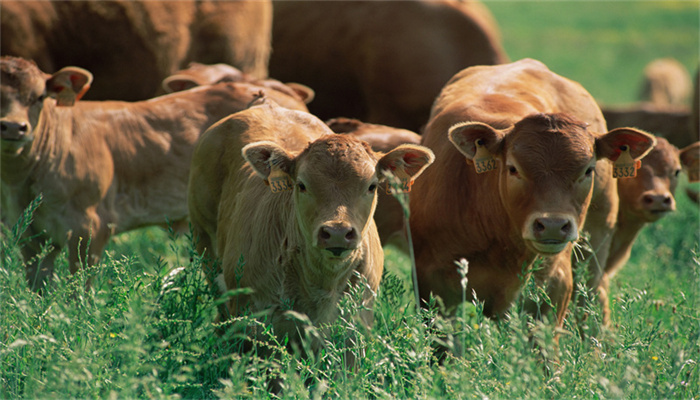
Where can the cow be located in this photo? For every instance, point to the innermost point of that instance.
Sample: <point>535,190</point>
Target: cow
<point>131,46</point>
<point>645,199</point>
<point>666,83</point>
<point>102,167</point>
<point>274,190</point>
<point>517,151</point>
<point>198,74</point>
<point>390,215</point>
<point>382,62</point>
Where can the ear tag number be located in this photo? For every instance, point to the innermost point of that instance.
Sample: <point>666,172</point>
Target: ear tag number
<point>483,159</point>
<point>625,166</point>
<point>66,97</point>
<point>279,180</point>
<point>404,182</point>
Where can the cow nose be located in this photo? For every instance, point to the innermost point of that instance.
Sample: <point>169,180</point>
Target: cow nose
<point>658,202</point>
<point>337,238</point>
<point>552,228</point>
<point>11,130</point>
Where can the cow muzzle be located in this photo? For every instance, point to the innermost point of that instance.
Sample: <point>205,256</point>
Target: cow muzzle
<point>337,239</point>
<point>550,233</point>
<point>14,135</point>
<point>656,205</point>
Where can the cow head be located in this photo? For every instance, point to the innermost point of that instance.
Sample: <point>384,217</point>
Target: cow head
<point>334,183</point>
<point>23,92</point>
<point>545,164</point>
<point>650,195</point>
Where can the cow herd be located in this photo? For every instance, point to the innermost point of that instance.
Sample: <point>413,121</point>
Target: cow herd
<point>506,164</point>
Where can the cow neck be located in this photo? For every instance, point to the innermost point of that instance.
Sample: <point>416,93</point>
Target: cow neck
<point>627,229</point>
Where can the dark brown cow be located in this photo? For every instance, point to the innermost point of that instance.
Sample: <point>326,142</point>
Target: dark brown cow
<point>278,190</point>
<point>380,61</point>
<point>131,46</point>
<point>103,167</point>
<point>389,216</point>
<point>532,141</point>
<point>645,199</point>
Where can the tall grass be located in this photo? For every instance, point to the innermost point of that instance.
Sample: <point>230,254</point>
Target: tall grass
<point>147,328</point>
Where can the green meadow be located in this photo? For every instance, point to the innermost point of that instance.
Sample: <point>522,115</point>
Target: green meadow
<point>148,327</point>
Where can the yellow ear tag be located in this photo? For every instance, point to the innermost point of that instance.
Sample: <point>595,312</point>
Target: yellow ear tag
<point>483,159</point>
<point>405,182</point>
<point>66,97</point>
<point>625,166</point>
<point>279,180</point>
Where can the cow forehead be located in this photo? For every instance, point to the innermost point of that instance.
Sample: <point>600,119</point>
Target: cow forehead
<point>20,79</point>
<point>337,157</point>
<point>551,145</point>
<point>663,158</point>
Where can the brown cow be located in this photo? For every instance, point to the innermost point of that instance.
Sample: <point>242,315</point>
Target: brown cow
<point>645,199</point>
<point>103,167</point>
<point>380,61</point>
<point>666,83</point>
<point>541,134</point>
<point>389,216</point>
<point>131,46</point>
<point>278,190</point>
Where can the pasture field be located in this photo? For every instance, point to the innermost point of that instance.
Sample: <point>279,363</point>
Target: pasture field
<point>147,328</point>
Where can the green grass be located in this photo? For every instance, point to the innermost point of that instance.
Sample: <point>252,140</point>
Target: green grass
<point>148,327</point>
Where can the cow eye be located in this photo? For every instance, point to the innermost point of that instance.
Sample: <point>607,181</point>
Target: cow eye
<point>512,170</point>
<point>677,172</point>
<point>302,187</point>
<point>590,171</point>
<point>372,188</point>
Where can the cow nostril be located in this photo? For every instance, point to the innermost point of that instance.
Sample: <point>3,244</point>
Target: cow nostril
<point>667,200</point>
<point>566,228</point>
<point>324,234</point>
<point>352,235</point>
<point>23,127</point>
<point>648,200</point>
<point>538,226</point>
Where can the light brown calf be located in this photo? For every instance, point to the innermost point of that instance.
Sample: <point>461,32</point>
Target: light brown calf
<point>278,190</point>
<point>517,151</point>
<point>197,74</point>
<point>103,167</point>
<point>131,46</point>
<point>382,62</point>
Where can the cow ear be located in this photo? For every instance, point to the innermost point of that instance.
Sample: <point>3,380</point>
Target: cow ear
<point>464,137</point>
<point>690,159</point>
<point>305,93</point>
<point>406,161</point>
<point>265,156</point>
<point>612,144</point>
<point>68,85</point>
<point>178,83</point>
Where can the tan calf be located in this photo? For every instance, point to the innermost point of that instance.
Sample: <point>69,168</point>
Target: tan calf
<point>279,191</point>
<point>103,167</point>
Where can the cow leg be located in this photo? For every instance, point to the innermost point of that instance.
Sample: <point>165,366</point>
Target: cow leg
<point>39,272</point>
<point>87,244</point>
<point>603,299</point>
